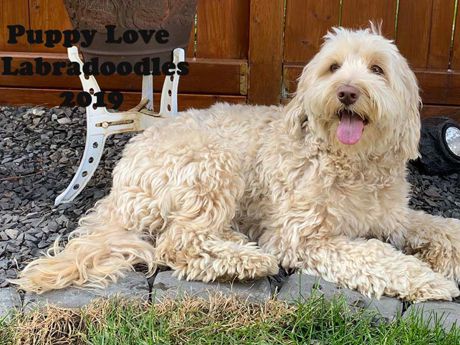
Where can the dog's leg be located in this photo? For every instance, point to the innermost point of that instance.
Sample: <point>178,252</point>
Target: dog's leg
<point>375,268</point>
<point>209,257</point>
<point>199,244</point>
<point>435,240</point>
<point>202,198</point>
<point>372,267</point>
<point>99,251</point>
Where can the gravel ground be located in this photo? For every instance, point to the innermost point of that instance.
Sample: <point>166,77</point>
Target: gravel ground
<point>41,148</point>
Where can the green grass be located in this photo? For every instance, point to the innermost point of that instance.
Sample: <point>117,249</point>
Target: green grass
<point>218,321</point>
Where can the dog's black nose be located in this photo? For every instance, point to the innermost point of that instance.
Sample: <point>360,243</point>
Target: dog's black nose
<point>348,94</point>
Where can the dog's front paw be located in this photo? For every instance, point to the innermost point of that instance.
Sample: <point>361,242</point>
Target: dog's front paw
<point>435,287</point>
<point>443,258</point>
<point>438,244</point>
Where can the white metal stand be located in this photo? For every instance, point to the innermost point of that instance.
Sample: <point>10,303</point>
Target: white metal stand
<point>101,123</point>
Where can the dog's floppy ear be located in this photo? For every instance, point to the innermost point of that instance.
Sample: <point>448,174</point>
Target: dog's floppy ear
<point>295,111</point>
<point>409,132</point>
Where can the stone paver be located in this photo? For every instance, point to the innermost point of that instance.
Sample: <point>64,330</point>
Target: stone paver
<point>302,286</point>
<point>167,286</point>
<point>133,286</point>
<point>9,300</point>
<point>448,313</point>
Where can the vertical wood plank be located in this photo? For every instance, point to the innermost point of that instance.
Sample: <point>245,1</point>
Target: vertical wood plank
<point>45,15</point>
<point>414,26</point>
<point>357,13</point>
<point>2,27</point>
<point>441,33</point>
<point>455,60</point>
<point>222,29</point>
<point>307,21</point>
<point>265,51</point>
<point>191,42</point>
<point>14,12</point>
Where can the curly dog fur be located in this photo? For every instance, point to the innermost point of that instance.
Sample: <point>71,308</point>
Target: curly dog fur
<point>233,191</point>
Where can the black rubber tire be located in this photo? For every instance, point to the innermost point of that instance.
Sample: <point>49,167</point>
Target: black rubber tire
<point>436,158</point>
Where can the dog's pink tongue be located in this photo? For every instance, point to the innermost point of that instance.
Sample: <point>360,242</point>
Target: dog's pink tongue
<point>350,128</point>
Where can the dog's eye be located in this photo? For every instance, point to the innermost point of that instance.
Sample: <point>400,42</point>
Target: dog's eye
<point>377,69</point>
<point>334,67</point>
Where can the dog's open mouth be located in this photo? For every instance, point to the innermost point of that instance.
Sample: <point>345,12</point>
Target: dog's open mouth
<point>350,127</point>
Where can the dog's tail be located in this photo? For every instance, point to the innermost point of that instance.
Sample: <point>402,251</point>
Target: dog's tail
<point>99,250</point>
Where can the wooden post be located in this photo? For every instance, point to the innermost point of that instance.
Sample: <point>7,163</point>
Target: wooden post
<point>265,51</point>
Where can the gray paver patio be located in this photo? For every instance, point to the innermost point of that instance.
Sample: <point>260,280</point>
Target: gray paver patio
<point>300,286</point>
<point>133,286</point>
<point>167,286</point>
<point>9,301</point>
<point>447,313</point>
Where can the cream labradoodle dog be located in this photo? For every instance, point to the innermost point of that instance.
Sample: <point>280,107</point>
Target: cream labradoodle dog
<point>233,191</point>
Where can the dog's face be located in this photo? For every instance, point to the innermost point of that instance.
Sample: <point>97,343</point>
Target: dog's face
<point>358,95</point>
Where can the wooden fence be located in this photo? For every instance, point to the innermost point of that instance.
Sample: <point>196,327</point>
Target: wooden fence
<point>253,50</point>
